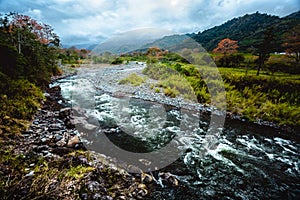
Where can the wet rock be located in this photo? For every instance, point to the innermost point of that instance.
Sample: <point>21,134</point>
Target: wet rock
<point>78,120</point>
<point>80,146</point>
<point>69,124</point>
<point>41,148</point>
<point>55,127</point>
<point>47,95</point>
<point>64,113</point>
<point>84,196</point>
<point>44,140</point>
<point>121,198</point>
<point>58,137</point>
<point>169,179</point>
<point>77,111</point>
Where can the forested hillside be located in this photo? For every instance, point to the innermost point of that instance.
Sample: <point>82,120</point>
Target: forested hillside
<point>248,30</point>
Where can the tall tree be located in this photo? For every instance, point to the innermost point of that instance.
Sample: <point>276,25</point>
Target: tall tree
<point>29,48</point>
<point>292,43</point>
<point>264,49</point>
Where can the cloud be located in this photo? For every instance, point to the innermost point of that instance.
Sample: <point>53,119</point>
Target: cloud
<point>93,19</point>
<point>34,13</point>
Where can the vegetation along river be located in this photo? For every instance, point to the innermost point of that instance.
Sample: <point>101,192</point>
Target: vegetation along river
<point>248,161</point>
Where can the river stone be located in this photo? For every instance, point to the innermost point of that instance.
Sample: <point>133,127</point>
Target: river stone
<point>44,140</point>
<point>64,113</point>
<point>47,95</point>
<point>61,143</point>
<point>73,141</point>
<point>93,186</point>
<point>55,127</point>
<point>169,178</point>
<point>58,137</point>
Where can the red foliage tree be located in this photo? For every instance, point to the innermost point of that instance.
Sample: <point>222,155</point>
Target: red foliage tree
<point>43,32</point>
<point>226,46</point>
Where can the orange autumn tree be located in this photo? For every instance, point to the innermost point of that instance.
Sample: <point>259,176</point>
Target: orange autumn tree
<point>226,46</point>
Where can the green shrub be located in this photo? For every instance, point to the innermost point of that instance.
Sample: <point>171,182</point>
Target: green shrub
<point>170,92</point>
<point>157,90</point>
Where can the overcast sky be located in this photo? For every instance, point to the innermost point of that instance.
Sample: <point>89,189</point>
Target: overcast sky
<point>90,21</point>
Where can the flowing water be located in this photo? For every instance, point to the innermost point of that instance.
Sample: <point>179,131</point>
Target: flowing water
<point>248,161</point>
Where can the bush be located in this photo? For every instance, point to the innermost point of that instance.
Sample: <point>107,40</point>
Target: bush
<point>170,92</point>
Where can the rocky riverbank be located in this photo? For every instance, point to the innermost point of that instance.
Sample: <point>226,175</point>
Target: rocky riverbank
<point>49,161</point>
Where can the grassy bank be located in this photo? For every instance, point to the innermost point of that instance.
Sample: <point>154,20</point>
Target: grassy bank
<point>19,100</point>
<point>273,98</point>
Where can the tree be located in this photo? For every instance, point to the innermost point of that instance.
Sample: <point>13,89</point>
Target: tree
<point>154,53</point>
<point>292,43</point>
<point>226,46</point>
<point>264,49</point>
<point>233,60</point>
<point>43,32</point>
<point>29,49</point>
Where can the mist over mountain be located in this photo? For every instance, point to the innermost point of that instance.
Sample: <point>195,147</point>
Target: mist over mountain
<point>248,30</point>
<point>130,41</point>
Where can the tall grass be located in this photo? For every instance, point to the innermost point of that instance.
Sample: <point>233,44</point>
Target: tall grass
<point>132,79</point>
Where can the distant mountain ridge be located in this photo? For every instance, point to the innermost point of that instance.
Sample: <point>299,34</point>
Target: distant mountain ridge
<point>248,30</point>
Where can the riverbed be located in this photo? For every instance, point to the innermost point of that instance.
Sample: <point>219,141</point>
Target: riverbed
<point>241,160</point>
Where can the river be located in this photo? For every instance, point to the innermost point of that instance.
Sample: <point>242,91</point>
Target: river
<point>247,161</point>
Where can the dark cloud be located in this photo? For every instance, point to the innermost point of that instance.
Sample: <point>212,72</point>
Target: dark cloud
<point>92,20</point>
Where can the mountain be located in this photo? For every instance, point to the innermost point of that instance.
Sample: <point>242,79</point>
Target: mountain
<point>87,46</point>
<point>130,41</point>
<point>248,30</point>
<point>167,42</point>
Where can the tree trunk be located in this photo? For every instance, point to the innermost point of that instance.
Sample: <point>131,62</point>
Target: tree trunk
<point>258,70</point>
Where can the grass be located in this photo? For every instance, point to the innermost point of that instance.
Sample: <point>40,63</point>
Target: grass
<point>19,100</point>
<point>252,72</point>
<point>132,79</point>
<point>79,171</point>
<point>172,82</point>
<point>273,97</point>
